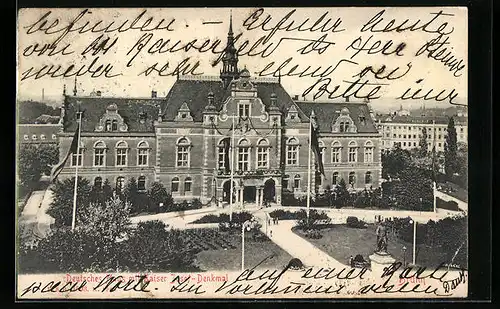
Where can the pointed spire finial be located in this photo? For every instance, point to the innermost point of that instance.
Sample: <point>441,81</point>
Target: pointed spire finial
<point>312,113</point>
<point>231,22</point>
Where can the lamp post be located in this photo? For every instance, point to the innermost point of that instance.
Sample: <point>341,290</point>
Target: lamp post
<point>414,240</point>
<point>404,256</point>
<point>244,225</point>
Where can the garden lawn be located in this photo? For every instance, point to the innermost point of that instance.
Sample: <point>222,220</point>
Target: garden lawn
<point>341,242</point>
<point>255,251</point>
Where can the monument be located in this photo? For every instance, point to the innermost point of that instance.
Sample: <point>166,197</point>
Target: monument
<point>381,258</point>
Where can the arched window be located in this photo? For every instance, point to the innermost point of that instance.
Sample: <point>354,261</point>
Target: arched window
<point>223,154</point>
<point>183,152</point>
<point>121,153</point>
<point>352,178</point>
<point>353,151</point>
<point>284,182</point>
<point>243,155</point>
<point>368,152</point>
<point>120,184</point>
<point>141,183</point>
<point>99,154</point>
<point>296,182</point>
<point>368,178</point>
<point>187,184</point>
<point>335,178</point>
<point>263,154</point>
<point>142,154</point>
<point>336,152</point>
<point>292,151</point>
<point>98,183</point>
<point>175,184</point>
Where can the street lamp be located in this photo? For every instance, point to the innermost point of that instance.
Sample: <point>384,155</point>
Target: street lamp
<point>245,225</point>
<point>414,239</point>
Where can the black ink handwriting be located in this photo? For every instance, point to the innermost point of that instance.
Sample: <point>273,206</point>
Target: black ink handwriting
<point>372,24</point>
<point>375,47</point>
<point>182,286</point>
<point>353,90</point>
<point>379,73</point>
<point>55,287</point>
<point>119,283</point>
<point>294,70</point>
<point>434,49</point>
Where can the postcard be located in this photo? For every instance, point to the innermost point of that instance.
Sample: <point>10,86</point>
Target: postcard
<point>250,153</point>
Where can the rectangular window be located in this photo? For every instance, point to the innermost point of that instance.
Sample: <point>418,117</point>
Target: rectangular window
<point>121,157</point>
<point>292,155</point>
<point>221,159</point>
<point>336,154</point>
<point>262,157</point>
<point>244,110</point>
<point>352,154</point>
<point>77,158</point>
<point>182,156</point>
<point>394,135</point>
<point>369,154</point>
<point>243,154</point>
<point>296,183</point>
<point>142,157</point>
<point>99,157</point>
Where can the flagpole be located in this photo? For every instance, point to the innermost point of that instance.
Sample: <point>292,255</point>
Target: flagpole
<point>434,165</point>
<point>73,221</point>
<point>309,168</point>
<point>232,168</point>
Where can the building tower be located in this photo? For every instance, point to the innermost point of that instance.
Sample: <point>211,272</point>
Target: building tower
<point>230,59</point>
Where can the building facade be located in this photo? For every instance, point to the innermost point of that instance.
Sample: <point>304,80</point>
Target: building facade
<point>208,128</point>
<point>406,131</point>
<point>38,134</point>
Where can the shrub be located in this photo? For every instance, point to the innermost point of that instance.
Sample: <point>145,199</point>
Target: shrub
<point>449,205</point>
<point>313,234</point>
<point>354,222</point>
<point>316,220</point>
<point>284,214</point>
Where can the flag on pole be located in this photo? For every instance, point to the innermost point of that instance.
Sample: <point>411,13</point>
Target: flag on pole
<point>315,143</point>
<point>433,152</point>
<point>56,170</point>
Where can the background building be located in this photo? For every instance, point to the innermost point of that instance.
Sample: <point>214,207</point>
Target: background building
<point>184,140</point>
<point>407,130</point>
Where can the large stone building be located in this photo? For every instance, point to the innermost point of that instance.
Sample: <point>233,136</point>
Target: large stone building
<point>183,140</point>
<point>406,131</point>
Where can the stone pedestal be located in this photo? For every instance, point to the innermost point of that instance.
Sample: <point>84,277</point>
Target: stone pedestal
<point>380,260</point>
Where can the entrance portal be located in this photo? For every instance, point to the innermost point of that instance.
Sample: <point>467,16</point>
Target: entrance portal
<point>269,191</point>
<point>249,194</point>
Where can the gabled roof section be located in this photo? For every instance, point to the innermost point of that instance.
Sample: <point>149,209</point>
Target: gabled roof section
<point>327,113</point>
<point>95,107</point>
<point>194,92</point>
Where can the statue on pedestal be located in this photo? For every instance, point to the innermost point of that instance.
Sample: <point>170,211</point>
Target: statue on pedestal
<point>381,239</point>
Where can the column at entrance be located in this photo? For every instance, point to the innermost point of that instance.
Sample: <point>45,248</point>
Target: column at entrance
<point>260,197</point>
<point>241,196</point>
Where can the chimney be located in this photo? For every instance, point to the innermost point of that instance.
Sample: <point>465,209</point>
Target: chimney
<point>347,99</point>
<point>296,97</point>
<point>98,93</point>
<point>153,94</point>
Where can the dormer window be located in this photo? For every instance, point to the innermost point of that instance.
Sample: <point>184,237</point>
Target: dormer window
<point>184,113</point>
<point>243,110</point>
<point>344,126</point>
<point>114,125</point>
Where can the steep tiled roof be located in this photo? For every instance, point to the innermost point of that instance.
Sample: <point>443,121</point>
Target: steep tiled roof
<point>128,108</point>
<point>194,93</point>
<point>327,112</point>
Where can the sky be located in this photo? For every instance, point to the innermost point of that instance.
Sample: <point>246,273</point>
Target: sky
<point>212,24</point>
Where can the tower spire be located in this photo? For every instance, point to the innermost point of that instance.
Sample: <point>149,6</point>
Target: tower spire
<point>230,58</point>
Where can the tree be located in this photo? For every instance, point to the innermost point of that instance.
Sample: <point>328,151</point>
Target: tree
<point>450,149</point>
<point>61,208</point>
<point>342,194</point>
<point>48,156</point>
<point>422,144</point>
<point>394,161</point>
<point>413,190</point>
<point>29,166</point>
<point>94,245</point>
<point>315,220</point>
<point>131,195</point>
<point>158,194</point>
